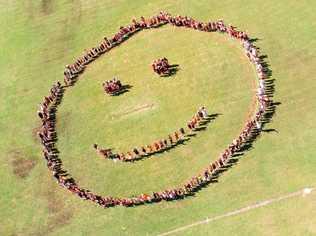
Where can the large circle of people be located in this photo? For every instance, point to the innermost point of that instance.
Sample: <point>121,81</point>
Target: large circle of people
<point>48,109</point>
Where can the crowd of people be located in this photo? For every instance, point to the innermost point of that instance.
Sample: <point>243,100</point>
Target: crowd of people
<point>158,146</point>
<point>47,112</point>
<point>197,118</point>
<point>161,66</point>
<point>112,87</point>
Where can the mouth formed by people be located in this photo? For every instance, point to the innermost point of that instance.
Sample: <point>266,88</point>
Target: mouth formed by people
<point>158,146</point>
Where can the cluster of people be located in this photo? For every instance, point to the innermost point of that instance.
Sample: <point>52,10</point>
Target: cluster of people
<point>48,108</point>
<point>155,147</point>
<point>112,87</point>
<point>196,119</point>
<point>72,71</point>
<point>161,66</point>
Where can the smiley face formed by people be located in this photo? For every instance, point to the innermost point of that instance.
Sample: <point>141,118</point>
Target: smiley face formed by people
<point>115,87</point>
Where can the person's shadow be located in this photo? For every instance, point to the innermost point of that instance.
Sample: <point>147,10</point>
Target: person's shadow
<point>172,70</point>
<point>124,89</point>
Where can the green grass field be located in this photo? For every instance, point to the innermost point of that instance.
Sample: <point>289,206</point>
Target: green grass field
<point>38,38</point>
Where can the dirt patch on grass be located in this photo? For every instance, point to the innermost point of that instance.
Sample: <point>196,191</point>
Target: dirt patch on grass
<point>21,165</point>
<point>34,134</point>
<point>47,7</point>
<point>64,121</point>
<point>134,110</point>
<point>59,214</point>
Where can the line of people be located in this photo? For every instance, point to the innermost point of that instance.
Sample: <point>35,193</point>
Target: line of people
<point>48,108</point>
<point>197,118</point>
<point>157,146</point>
<point>72,71</point>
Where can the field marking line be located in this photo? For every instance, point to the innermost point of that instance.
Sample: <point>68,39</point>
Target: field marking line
<point>303,193</point>
<point>133,110</point>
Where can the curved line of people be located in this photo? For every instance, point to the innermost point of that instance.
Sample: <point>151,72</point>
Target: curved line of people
<point>48,109</point>
<point>158,146</point>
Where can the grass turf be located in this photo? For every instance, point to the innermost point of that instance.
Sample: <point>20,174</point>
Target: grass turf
<point>41,37</point>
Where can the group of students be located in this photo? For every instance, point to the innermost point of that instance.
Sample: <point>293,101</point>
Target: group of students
<point>157,146</point>
<point>161,66</point>
<point>112,86</point>
<point>197,118</point>
<point>72,71</point>
<point>47,133</point>
<point>48,109</point>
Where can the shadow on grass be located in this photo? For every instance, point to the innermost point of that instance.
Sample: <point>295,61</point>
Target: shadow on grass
<point>124,89</point>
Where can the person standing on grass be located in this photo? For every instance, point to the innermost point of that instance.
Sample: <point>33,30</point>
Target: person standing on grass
<point>204,112</point>
<point>182,131</point>
<point>170,139</point>
<point>176,135</point>
<point>144,151</point>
